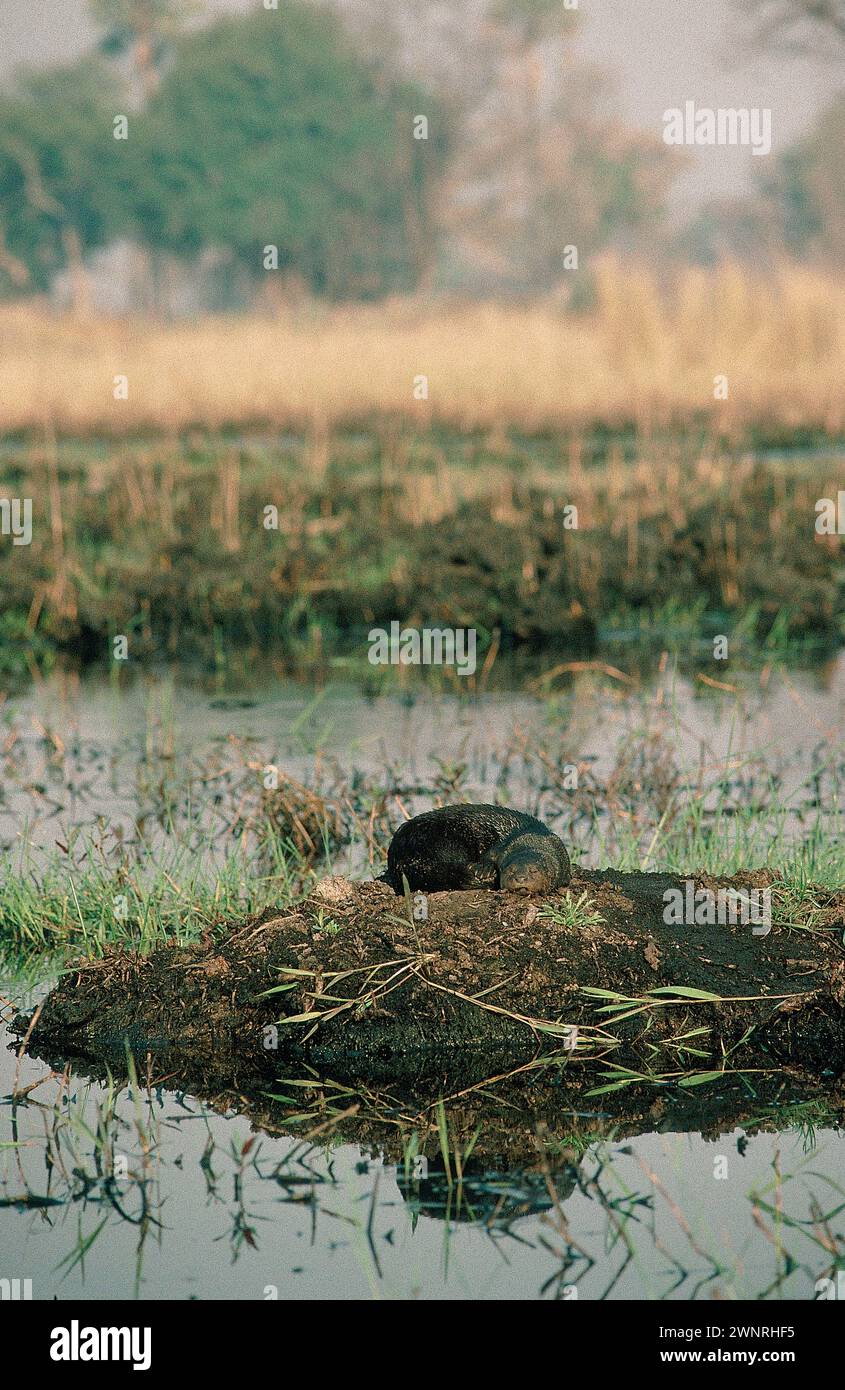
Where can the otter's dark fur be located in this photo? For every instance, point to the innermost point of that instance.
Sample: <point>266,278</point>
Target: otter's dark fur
<point>476,847</point>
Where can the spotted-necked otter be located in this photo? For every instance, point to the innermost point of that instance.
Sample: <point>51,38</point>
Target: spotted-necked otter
<point>476,847</point>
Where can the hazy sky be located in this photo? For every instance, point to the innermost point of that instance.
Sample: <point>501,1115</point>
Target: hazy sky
<point>661,52</point>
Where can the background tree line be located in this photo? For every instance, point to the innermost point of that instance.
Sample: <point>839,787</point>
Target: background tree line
<point>295,128</point>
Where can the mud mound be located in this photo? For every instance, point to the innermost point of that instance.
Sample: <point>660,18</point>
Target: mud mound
<point>352,981</point>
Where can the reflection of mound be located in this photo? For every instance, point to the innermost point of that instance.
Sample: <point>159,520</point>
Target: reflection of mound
<point>517,1122</point>
<point>485,1198</point>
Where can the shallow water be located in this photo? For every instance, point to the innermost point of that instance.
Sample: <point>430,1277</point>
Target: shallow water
<point>82,752</point>
<point>659,1215</point>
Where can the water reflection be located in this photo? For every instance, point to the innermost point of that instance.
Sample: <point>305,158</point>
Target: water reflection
<point>117,1190</point>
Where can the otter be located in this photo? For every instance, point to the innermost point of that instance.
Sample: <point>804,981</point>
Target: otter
<point>459,847</point>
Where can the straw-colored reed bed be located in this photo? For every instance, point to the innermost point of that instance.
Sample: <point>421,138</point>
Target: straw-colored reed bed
<point>641,354</point>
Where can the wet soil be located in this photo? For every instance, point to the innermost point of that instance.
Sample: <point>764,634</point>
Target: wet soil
<point>487,981</point>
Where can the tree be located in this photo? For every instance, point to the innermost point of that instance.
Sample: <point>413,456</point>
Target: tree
<point>548,168</point>
<point>807,190</point>
<point>141,30</point>
<point>57,161</point>
<point>267,131</point>
<point>535,163</point>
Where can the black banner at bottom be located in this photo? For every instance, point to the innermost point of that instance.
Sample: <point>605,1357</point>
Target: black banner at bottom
<point>62,1338</point>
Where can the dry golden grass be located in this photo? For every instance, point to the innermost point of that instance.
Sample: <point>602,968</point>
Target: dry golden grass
<point>642,354</point>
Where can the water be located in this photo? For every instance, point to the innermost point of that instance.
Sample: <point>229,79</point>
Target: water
<point>635,1211</point>
<point>659,1215</point>
<point>80,751</point>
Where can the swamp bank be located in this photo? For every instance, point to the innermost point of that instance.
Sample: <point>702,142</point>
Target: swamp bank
<point>289,548</point>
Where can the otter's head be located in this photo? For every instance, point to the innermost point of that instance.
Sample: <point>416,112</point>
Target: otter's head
<point>523,873</point>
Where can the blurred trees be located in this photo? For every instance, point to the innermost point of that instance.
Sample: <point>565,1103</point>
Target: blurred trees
<point>797,209</point>
<point>800,207</point>
<point>264,131</point>
<point>270,132</point>
<point>58,165</point>
<point>806,193</point>
<point>140,30</point>
<point>546,167</point>
<point>535,163</point>
<point>286,138</point>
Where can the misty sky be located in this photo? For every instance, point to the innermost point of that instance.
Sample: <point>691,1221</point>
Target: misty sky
<point>661,53</point>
